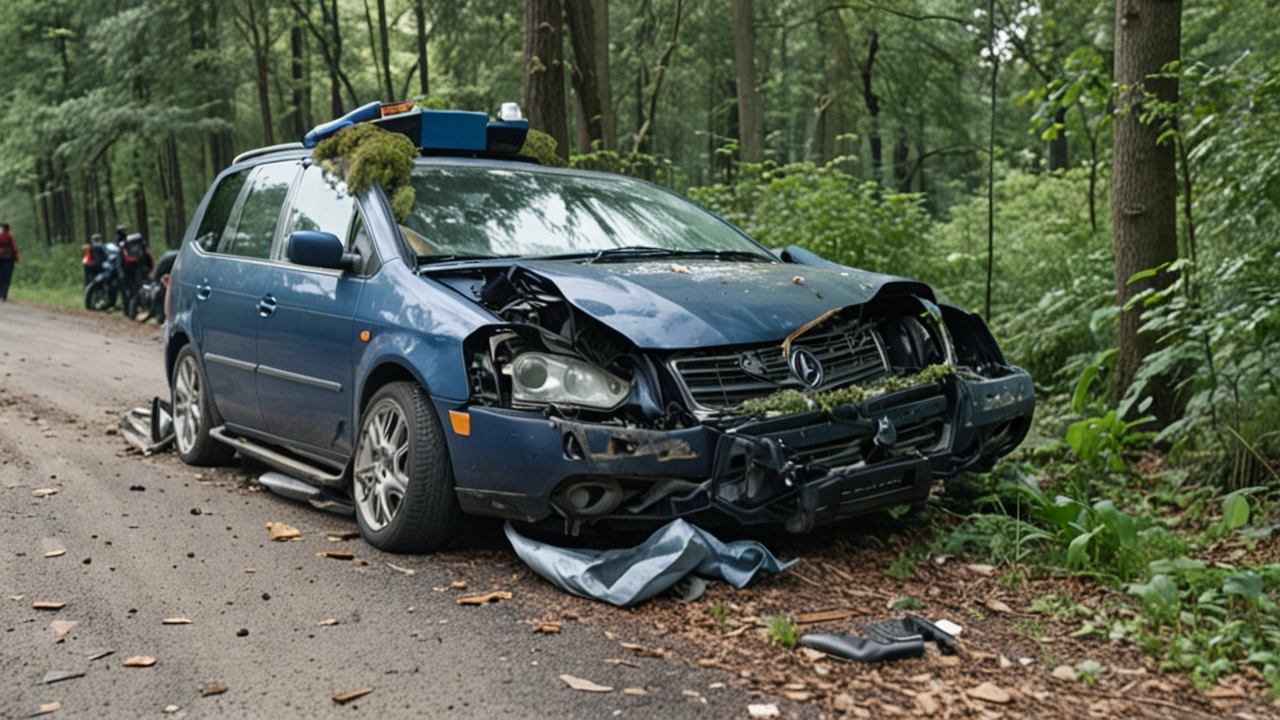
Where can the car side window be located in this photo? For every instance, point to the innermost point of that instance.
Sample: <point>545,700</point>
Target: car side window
<point>219,210</point>
<point>322,202</point>
<point>256,228</point>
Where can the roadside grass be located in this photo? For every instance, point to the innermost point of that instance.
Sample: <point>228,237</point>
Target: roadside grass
<point>1193,571</point>
<point>48,275</point>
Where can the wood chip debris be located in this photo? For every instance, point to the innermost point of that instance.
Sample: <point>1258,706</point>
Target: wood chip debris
<point>47,605</point>
<point>990,692</point>
<point>213,690</point>
<point>349,696</point>
<point>176,621</point>
<point>981,569</point>
<point>101,654</point>
<point>47,708</point>
<point>342,536</point>
<point>458,584</point>
<point>763,711</point>
<point>140,661</point>
<point>44,492</point>
<point>578,683</point>
<point>171,709</point>
<point>824,616</point>
<point>634,691</point>
<point>678,268</point>
<point>999,606</point>
<point>279,531</point>
<point>644,651</point>
<point>485,598</point>
<point>54,676</point>
<point>336,555</point>
<point>547,626</point>
<point>617,661</point>
<point>326,623</point>
<point>407,571</point>
<point>55,553</point>
<point>62,627</point>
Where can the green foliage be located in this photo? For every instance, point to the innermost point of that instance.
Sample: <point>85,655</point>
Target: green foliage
<point>1089,671</point>
<point>364,154</point>
<point>790,402</point>
<point>905,603</point>
<point>542,147</point>
<point>783,631</point>
<point>642,165</point>
<point>1098,442</point>
<point>721,613</point>
<point>824,210</point>
<point>46,274</point>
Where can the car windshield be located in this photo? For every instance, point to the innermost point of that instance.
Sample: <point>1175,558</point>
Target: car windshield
<point>485,211</point>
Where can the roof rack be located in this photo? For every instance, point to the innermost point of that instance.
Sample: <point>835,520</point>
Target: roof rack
<point>266,151</point>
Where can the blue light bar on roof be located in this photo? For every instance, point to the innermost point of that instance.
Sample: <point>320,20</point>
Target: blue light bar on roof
<point>434,131</point>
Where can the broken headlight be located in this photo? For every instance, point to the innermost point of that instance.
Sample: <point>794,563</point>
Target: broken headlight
<point>545,379</point>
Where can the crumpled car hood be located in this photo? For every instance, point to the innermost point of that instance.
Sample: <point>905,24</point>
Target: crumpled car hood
<point>658,306</point>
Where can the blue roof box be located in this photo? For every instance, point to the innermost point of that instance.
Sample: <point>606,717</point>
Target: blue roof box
<point>436,132</point>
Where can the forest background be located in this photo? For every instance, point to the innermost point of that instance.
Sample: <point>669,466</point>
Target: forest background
<point>970,143</point>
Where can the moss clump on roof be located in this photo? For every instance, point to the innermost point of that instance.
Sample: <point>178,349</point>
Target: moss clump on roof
<point>790,402</point>
<point>542,147</point>
<point>363,154</point>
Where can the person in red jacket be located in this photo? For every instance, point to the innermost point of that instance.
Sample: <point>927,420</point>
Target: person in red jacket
<point>8,258</point>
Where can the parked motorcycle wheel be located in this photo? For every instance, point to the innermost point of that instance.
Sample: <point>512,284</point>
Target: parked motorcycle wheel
<point>98,297</point>
<point>138,307</point>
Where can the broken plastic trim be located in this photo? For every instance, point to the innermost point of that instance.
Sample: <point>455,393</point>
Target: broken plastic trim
<point>149,430</point>
<point>885,641</point>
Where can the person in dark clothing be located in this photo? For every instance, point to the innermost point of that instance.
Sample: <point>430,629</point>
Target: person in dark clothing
<point>8,258</point>
<point>94,255</point>
<point>137,261</point>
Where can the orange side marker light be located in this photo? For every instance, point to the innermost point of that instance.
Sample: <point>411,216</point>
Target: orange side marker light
<point>461,422</point>
<point>364,335</point>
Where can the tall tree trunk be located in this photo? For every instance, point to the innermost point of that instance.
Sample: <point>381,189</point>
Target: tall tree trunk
<point>1143,180</point>
<point>420,16</point>
<point>872,101</point>
<point>298,121</point>
<point>260,60</point>
<point>750,107</point>
<point>901,154</point>
<point>580,15</point>
<point>604,86</point>
<point>175,212</point>
<point>651,106</point>
<point>838,72</point>
<point>544,99</point>
<point>386,51</point>
<point>1058,147</point>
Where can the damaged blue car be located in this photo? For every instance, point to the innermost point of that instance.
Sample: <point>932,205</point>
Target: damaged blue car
<point>557,346</point>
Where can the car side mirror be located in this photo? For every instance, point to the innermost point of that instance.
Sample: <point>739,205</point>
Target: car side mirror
<point>320,249</point>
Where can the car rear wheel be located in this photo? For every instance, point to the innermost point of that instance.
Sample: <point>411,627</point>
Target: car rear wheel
<point>193,414</point>
<point>403,481</point>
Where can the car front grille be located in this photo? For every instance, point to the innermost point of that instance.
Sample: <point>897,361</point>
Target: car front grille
<point>719,380</point>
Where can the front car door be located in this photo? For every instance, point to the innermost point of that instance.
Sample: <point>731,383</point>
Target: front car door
<point>305,377</point>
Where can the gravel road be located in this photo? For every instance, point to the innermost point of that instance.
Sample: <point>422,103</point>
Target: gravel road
<point>127,541</point>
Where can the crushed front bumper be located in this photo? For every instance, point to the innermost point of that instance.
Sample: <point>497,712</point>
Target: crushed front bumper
<point>795,470</point>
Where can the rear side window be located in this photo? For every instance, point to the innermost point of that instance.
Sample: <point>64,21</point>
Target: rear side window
<point>256,228</point>
<point>219,210</point>
<point>321,203</point>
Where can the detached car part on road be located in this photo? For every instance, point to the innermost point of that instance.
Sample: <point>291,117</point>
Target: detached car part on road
<point>550,345</point>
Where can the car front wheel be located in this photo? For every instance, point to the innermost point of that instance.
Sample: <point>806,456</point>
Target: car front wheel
<point>193,414</point>
<point>402,479</point>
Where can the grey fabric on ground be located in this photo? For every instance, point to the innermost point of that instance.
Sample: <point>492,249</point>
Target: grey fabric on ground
<point>628,576</point>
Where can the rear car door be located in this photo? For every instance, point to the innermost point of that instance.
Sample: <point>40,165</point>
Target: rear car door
<point>232,279</point>
<point>305,339</point>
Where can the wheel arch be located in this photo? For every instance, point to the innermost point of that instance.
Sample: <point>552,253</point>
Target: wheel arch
<point>177,341</point>
<point>385,372</point>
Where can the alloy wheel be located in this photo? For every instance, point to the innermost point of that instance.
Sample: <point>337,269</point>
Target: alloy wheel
<point>186,404</point>
<point>382,464</point>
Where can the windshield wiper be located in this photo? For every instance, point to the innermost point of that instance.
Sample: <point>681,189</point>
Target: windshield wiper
<point>456,257</point>
<point>642,251</point>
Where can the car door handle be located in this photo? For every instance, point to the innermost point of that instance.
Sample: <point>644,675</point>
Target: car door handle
<point>266,306</point>
<point>203,292</point>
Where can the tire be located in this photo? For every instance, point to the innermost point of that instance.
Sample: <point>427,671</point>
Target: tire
<point>98,298</point>
<point>402,479</point>
<point>193,413</point>
<point>138,307</point>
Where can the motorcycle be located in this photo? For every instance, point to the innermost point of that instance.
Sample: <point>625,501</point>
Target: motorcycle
<point>102,292</point>
<point>147,301</point>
